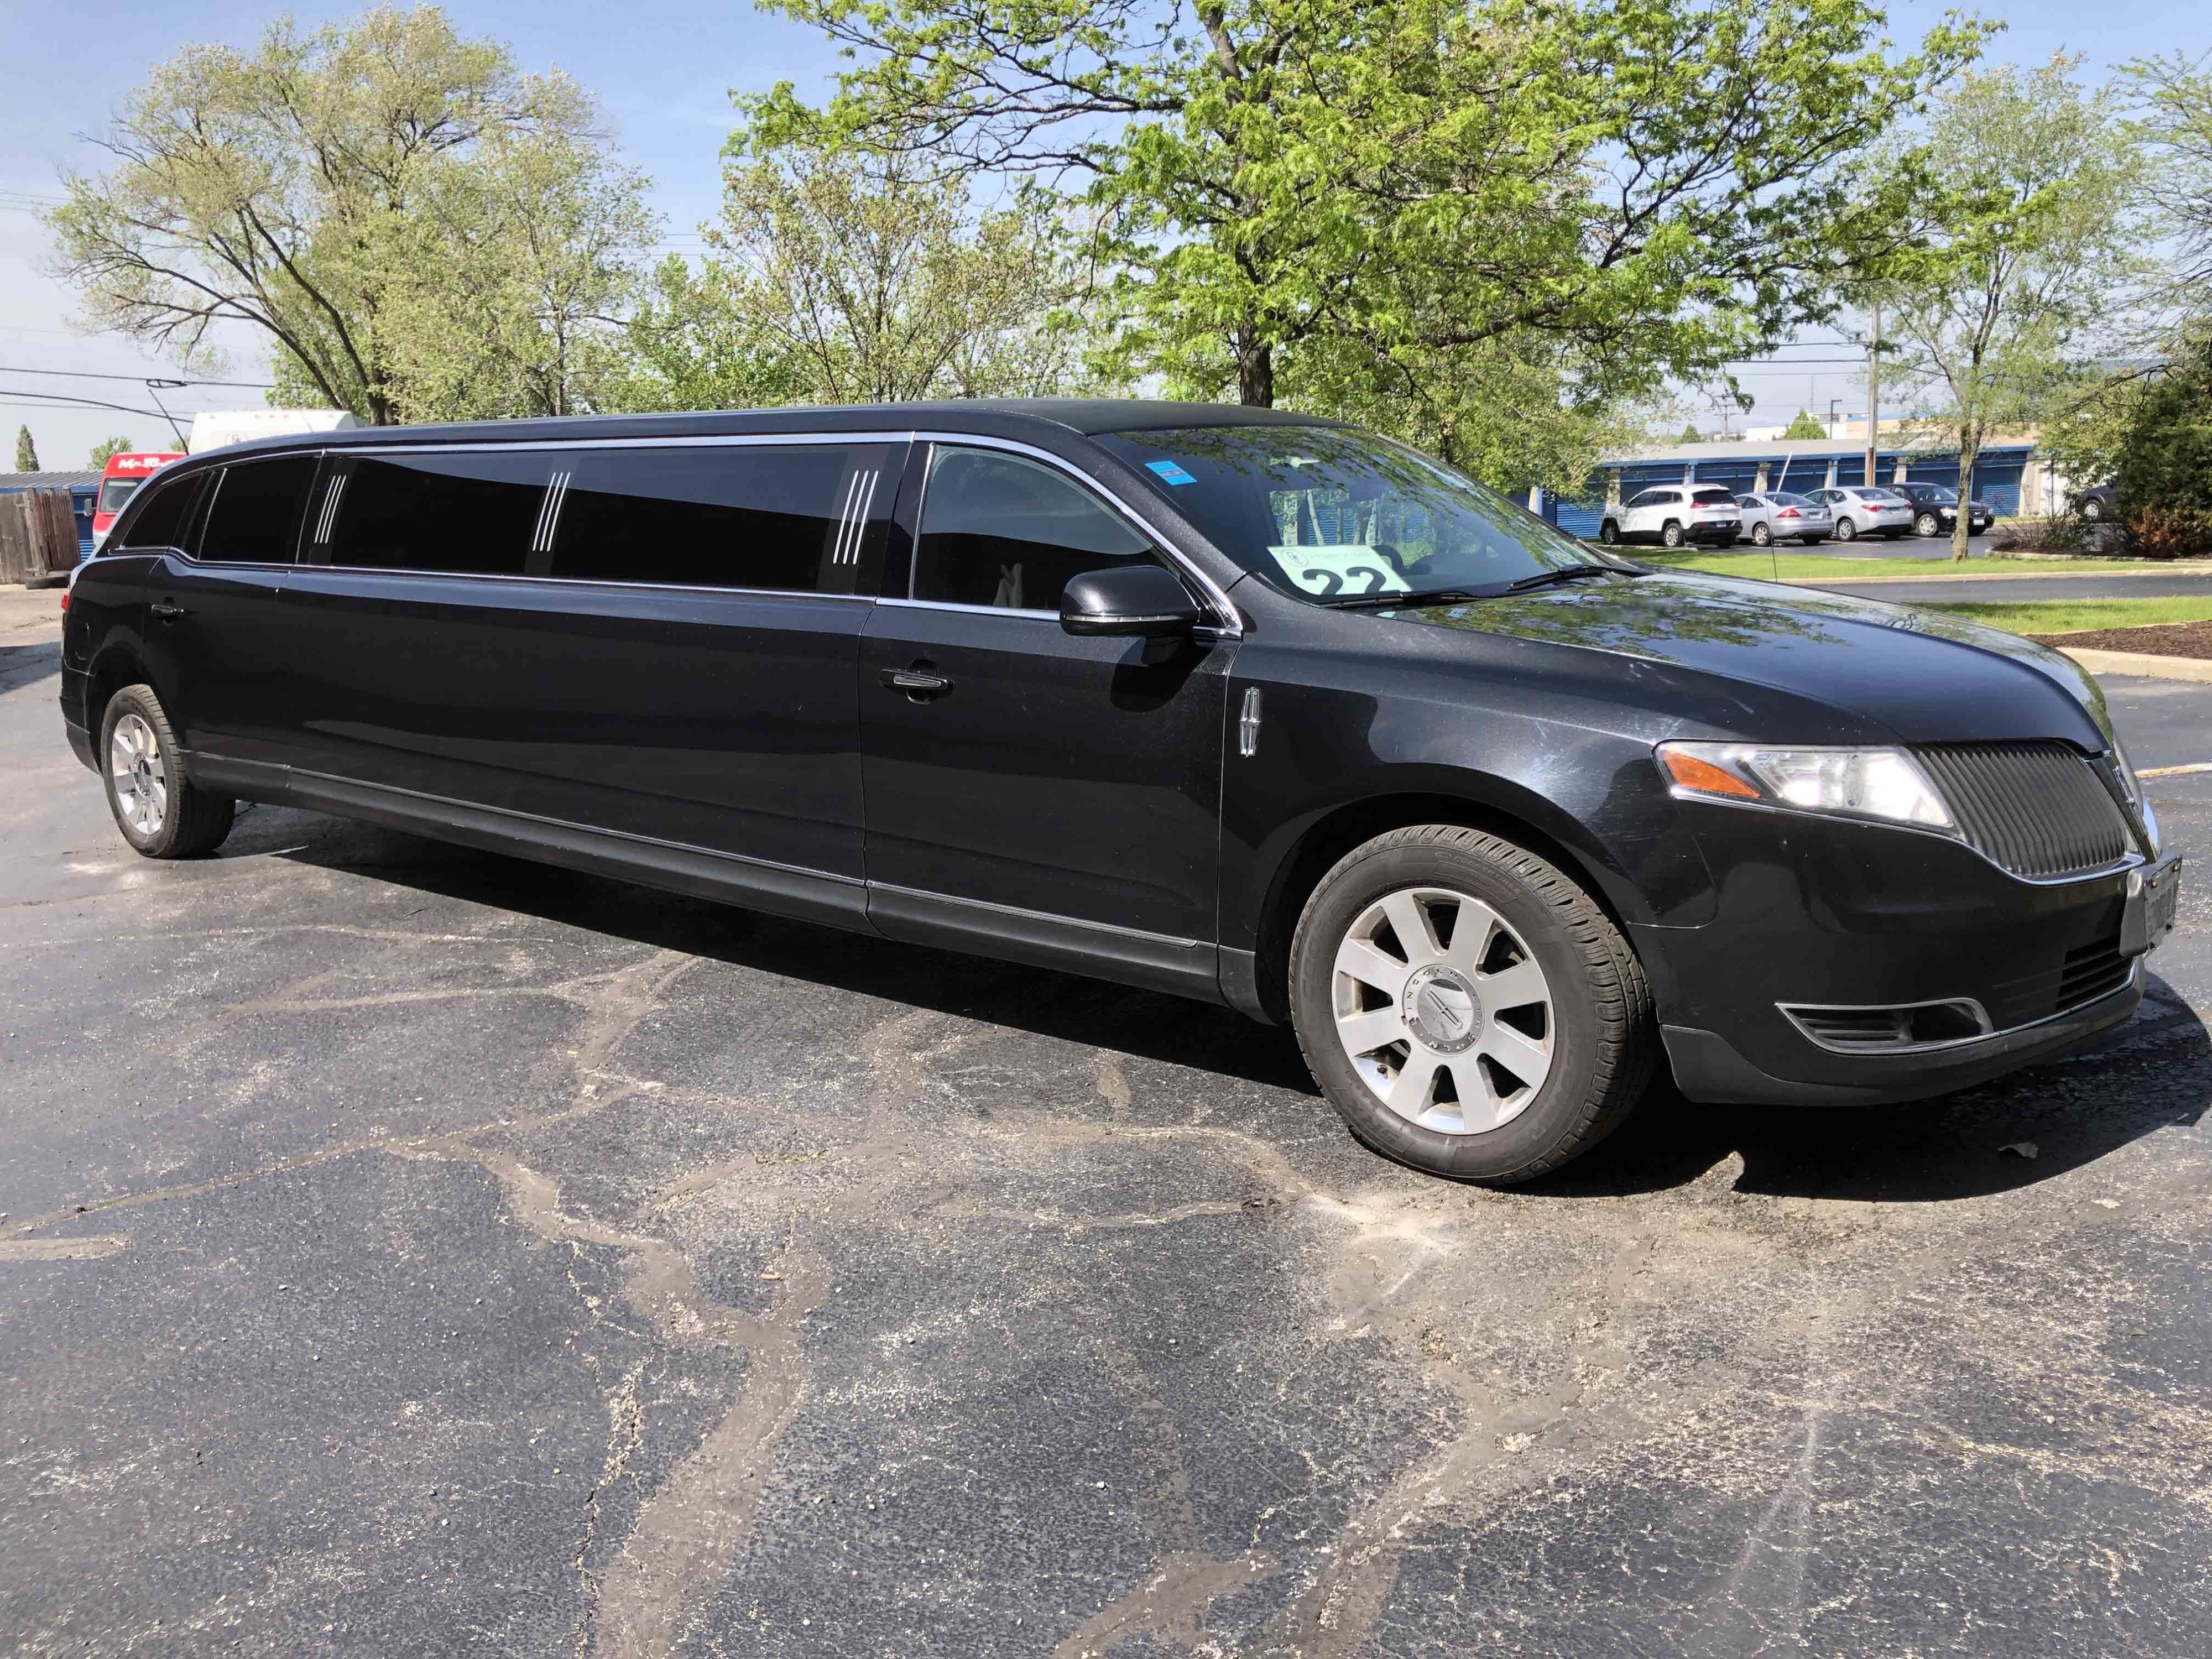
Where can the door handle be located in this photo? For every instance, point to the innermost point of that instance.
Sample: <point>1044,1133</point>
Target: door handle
<point>917,683</point>
<point>165,611</point>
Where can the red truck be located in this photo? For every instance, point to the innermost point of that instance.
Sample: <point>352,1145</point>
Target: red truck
<point>120,480</point>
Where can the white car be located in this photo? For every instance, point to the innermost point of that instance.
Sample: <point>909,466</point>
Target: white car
<point>1776,515</point>
<point>1860,511</point>
<point>1672,514</point>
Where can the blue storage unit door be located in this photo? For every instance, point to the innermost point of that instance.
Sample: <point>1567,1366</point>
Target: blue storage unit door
<point>1736,476</point>
<point>1996,479</point>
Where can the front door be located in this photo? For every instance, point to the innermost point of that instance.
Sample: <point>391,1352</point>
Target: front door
<point>1046,798</point>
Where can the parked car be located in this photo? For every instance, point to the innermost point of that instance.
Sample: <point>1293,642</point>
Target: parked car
<point>1237,704</point>
<point>1861,511</point>
<point>120,480</point>
<point>1672,515</point>
<point>1776,515</point>
<point>1935,510</point>
<point>2097,503</point>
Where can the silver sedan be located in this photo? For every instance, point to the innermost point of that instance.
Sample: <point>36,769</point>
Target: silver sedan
<point>1776,515</point>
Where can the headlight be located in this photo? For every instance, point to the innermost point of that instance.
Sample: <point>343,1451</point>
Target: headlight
<point>1885,785</point>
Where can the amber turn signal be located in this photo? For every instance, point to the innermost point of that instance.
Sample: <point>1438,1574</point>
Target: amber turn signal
<point>1705,778</point>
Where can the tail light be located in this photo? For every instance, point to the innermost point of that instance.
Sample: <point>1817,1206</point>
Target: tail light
<point>1789,512</point>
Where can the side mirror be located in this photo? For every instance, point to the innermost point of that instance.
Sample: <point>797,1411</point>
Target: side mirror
<point>1142,600</point>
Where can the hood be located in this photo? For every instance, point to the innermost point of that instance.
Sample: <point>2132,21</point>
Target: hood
<point>1926,676</point>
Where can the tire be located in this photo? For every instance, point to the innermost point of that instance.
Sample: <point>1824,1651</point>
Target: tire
<point>1761,535</point>
<point>1926,525</point>
<point>2093,510</point>
<point>1672,534</point>
<point>1846,530</point>
<point>160,811</point>
<point>1608,533</point>
<point>1577,1083</point>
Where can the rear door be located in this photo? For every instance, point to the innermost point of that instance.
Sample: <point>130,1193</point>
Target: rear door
<point>1041,796</point>
<point>222,610</point>
<point>652,641</point>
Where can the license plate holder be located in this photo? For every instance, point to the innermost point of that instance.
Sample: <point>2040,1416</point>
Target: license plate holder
<point>2153,904</point>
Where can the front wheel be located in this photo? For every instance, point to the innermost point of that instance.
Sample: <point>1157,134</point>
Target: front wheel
<point>1466,1007</point>
<point>1761,535</point>
<point>1926,525</point>
<point>1671,535</point>
<point>1608,533</point>
<point>160,811</point>
<point>1846,530</point>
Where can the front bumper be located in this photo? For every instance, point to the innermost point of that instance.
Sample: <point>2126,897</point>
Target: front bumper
<point>1821,912</point>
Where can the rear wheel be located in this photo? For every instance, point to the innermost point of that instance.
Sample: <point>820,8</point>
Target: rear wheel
<point>160,812</point>
<point>1761,535</point>
<point>2092,509</point>
<point>1466,1007</point>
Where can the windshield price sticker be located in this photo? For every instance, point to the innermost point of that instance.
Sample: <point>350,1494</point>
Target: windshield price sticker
<point>1168,471</point>
<point>1350,567</point>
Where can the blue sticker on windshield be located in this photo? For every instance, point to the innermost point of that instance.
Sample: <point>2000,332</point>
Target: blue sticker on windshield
<point>1170,472</point>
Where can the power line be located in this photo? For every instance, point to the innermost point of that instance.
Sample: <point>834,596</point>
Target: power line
<point>88,374</point>
<point>57,400</point>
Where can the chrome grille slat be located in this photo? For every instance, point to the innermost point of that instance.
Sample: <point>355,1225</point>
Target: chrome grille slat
<point>2036,809</point>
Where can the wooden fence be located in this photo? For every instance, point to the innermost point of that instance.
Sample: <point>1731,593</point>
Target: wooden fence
<point>38,535</point>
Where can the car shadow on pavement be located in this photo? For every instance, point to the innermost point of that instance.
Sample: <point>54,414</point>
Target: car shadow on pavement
<point>2052,1118</point>
<point>28,664</point>
<point>1065,1007</point>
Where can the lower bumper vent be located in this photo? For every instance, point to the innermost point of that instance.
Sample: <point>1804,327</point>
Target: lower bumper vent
<point>1890,1028</point>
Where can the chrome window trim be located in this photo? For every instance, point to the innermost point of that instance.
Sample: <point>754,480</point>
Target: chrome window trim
<point>1229,625</point>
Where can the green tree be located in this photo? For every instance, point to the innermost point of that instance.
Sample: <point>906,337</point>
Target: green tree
<point>692,341</point>
<point>415,225</point>
<point>1804,426</point>
<point>2032,245</point>
<point>1690,434</point>
<point>26,453</point>
<point>106,448</point>
<point>2164,468</point>
<point>1646,186</point>
<point>866,283</point>
<point>2175,94</point>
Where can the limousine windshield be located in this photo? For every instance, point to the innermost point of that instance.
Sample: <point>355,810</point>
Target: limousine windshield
<point>1330,511</point>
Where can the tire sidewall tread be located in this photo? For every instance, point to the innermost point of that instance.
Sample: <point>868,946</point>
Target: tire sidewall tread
<point>196,822</point>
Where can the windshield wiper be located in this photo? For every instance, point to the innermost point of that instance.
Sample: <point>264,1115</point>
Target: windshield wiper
<point>1391,601</point>
<point>1567,572</point>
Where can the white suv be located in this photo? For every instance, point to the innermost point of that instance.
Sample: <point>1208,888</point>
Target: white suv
<point>1672,514</point>
<point>1860,511</point>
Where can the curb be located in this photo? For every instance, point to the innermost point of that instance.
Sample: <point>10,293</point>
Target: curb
<point>2175,568</point>
<point>2145,663</point>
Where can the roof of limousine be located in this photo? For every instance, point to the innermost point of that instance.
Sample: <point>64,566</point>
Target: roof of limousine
<point>1011,417</point>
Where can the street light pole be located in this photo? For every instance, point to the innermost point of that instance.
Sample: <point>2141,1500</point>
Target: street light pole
<point>1873,394</point>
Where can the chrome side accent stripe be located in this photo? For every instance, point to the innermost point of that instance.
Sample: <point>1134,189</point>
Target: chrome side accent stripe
<point>328,521</point>
<point>548,513</point>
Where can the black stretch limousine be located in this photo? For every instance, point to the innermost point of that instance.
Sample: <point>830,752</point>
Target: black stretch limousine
<point>1235,704</point>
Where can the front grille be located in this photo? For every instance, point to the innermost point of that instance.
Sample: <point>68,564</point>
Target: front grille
<point>2036,809</point>
<point>2094,971</point>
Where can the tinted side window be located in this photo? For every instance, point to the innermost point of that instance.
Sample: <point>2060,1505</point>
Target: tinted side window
<point>998,530</point>
<point>796,518</point>
<point>469,513</point>
<point>161,515</point>
<point>254,514</point>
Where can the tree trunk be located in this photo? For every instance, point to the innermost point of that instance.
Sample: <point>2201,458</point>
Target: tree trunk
<point>1255,369</point>
<point>1961,526</point>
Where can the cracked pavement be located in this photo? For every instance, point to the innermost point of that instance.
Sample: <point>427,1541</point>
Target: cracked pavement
<point>411,1251</point>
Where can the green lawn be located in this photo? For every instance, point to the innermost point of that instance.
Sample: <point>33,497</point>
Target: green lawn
<point>1815,567</point>
<point>2069,615</point>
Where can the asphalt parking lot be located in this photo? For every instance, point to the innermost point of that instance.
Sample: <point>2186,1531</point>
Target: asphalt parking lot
<point>410,1250</point>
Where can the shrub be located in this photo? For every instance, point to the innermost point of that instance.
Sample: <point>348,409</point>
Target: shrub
<point>2170,533</point>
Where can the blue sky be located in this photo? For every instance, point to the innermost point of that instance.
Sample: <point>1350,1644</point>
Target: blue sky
<point>664,74</point>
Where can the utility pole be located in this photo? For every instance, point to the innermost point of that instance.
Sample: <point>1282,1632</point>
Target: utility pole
<point>1873,395</point>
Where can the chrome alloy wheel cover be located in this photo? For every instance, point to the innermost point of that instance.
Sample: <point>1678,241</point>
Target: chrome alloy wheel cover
<point>1443,1011</point>
<point>141,783</point>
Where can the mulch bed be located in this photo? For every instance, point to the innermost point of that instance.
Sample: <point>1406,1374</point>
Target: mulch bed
<point>2164,640</point>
